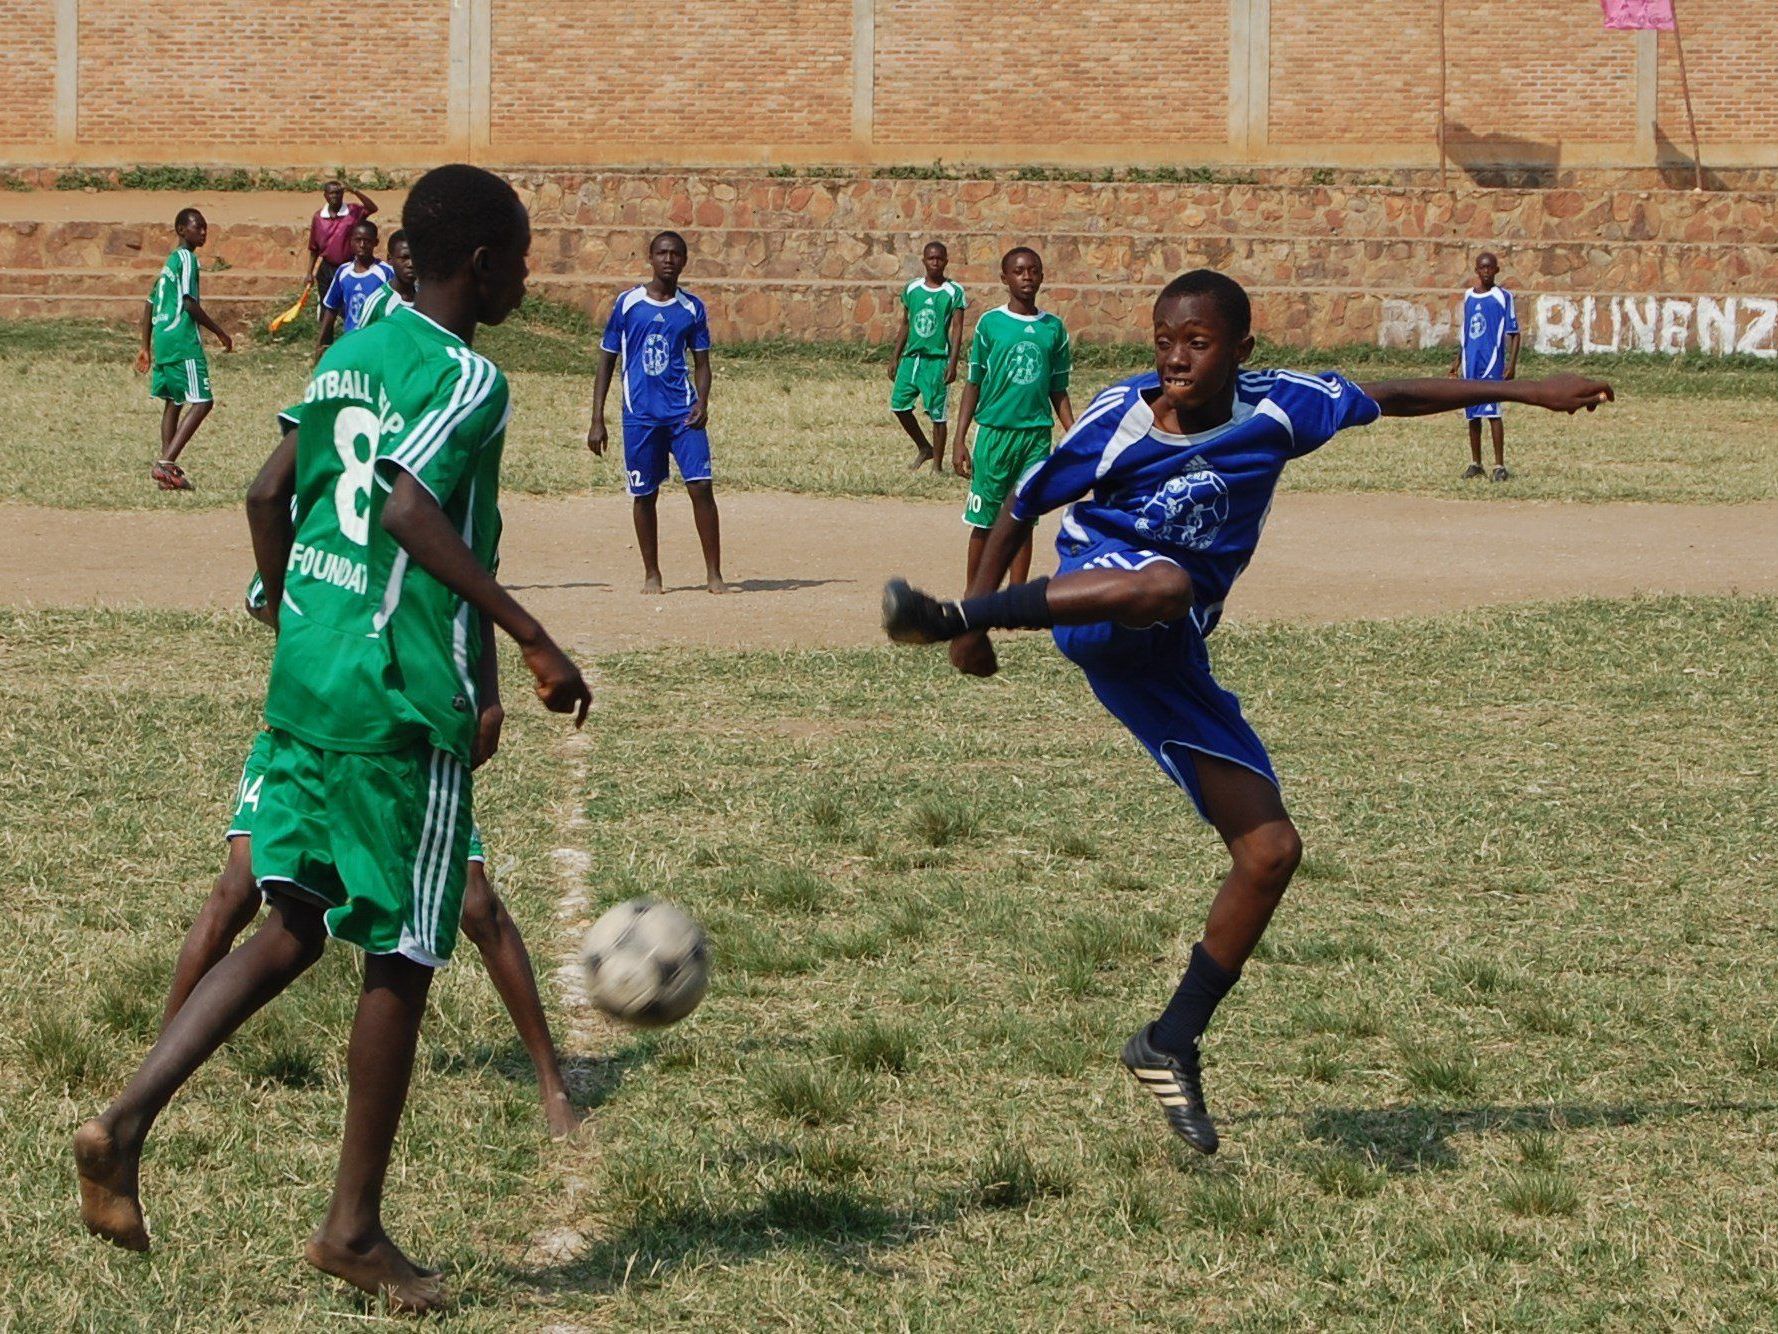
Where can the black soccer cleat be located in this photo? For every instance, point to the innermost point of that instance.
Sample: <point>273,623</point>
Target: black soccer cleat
<point>1177,1084</point>
<point>913,617</point>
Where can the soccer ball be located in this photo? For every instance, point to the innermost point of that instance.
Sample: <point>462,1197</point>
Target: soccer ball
<point>647,963</point>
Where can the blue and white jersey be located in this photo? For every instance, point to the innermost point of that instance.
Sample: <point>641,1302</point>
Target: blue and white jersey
<point>1134,492</point>
<point>350,289</point>
<point>1488,318</point>
<point>653,338</point>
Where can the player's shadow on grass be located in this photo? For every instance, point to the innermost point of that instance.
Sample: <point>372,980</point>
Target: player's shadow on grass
<point>591,1080</point>
<point>1416,1137</point>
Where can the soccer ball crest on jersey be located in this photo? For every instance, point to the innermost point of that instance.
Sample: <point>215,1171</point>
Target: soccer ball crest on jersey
<point>1024,363</point>
<point>926,323</point>
<point>655,354</point>
<point>1188,510</point>
<point>1478,325</point>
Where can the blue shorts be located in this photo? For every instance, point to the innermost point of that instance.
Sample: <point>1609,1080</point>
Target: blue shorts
<point>1476,411</point>
<point>647,445</point>
<point>1156,682</point>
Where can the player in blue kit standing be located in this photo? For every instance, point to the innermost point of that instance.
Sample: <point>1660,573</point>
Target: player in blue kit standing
<point>1167,479</point>
<point>353,285</point>
<point>666,404</point>
<point>1488,349</point>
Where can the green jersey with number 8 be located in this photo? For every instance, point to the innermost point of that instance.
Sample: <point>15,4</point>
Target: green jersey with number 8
<point>374,654</point>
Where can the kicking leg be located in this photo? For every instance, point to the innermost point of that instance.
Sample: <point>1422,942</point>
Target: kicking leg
<point>231,906</point>
<point>911,424</point>
<point>188,427</point>
<point>644,511</point>
<point>1159,591</point>
<point>108,1148</point>
<point>496,935</point>
<point>350,1243</point>
<point>709,525</point>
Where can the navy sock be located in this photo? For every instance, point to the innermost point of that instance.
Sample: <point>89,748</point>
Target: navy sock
<point>1021,607</point>
<point>1187,1015</point>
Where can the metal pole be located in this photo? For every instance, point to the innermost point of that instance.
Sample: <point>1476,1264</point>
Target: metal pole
<point>1685,86</point>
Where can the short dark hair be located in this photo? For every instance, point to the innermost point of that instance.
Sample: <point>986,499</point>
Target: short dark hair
<point>397,237</point>
<point>184,216</point>
<point>452,212</point>
<point>1015,252</point>
<point>940,244</point>
<point>658,237</point>
<point>365,225</point>
<point>1230,297</point>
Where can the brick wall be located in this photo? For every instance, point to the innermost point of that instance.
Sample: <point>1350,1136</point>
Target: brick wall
<point>587,77</point>
<point>233,76</point>
<point>27,92</point>
<point>552,83</point>
<point>963,71</point>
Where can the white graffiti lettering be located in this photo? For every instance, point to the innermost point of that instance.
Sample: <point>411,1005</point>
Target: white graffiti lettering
<point>1562,325</point>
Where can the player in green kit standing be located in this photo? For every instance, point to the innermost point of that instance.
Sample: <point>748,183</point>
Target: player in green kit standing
<point>172,354</point>
<point>1019,363</point>
<point>385,601</point>
<point>926,350</point>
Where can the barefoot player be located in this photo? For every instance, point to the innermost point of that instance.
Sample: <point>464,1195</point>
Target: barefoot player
<point>1168,478</point>
<point>924,362</point>
<point>666,405</point>
<point>363,824</point>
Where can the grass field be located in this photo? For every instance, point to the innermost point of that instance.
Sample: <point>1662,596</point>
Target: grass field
<point>81,430</point>
<point>1507,1059</point>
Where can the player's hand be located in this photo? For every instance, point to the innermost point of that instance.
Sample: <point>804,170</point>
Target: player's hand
<point>558,681</point>
<point>142,362</point>
<point>973,654</point>
<point>1568,392</point>
<point>960,460</point>
<point>487,734</point>
<point>228,343</point>
<point>595,438</point>
<point>265,613</point>
<point>698,415</point>
<point>951,373</point>
<point>894,365</point>
<point>1512,372</point>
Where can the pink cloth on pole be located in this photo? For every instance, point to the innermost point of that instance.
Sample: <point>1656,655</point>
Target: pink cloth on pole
<point>1639,14</point>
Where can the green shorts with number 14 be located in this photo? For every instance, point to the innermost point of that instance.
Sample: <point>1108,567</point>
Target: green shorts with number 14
<point>1003,454</point>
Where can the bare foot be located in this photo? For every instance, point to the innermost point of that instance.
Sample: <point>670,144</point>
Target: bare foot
<point>921,458</point>
<point>716,585</point>
<point>562,1116</point>
<point>109,1177</point>
<point>380,1269</point>
<point>652,585</point>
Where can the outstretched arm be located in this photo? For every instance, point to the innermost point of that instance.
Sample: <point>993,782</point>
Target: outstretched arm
<point>269,521</point>
<point>413,518</point>
<point>1422,398</point>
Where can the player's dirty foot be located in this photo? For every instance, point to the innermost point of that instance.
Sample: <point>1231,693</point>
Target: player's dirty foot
<point>718,585</point>
<point>913,617</point>
<point>1177,1084</point>
<point>108,1178</point>
<point>921,458</point>
<point>651,586</point>
<point>561,1115</point>
<point>1473,470</point>
<point>1499,475</point>
<point>380,1269</point>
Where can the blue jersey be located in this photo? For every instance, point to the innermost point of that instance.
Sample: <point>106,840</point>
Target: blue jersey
<point>350,289</point>
<point>653,337</point>
<point>1197,500</point>
<point>1488,318</point>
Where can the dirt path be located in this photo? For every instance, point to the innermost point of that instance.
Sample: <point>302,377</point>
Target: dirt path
<point>810,568</point>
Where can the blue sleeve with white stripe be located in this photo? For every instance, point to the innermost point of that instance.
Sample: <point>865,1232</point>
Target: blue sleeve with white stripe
<point>700,328</point>
<point>1319,407</point>
<point>1078,462</point>
<point>334,298</point>
<point>442,443</point>
<point>613,341</point>
<point>1512,312</point>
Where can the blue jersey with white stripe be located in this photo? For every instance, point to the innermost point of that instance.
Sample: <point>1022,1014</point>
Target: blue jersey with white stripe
<point>1488,318</point>
<point>1198,500</point>
<point>350,289</point>
<point>652,337</point>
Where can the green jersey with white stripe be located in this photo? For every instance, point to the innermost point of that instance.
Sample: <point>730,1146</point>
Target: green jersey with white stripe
<point>374,654</point>
<point>929,317</point>
<point>380,304</point>
<point>175,333</point>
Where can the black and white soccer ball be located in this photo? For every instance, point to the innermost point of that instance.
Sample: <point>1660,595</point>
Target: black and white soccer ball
<point>647,963</point>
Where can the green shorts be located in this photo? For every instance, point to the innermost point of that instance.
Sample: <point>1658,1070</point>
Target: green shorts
<point>240,825</point>
<point>1003,454</point>
<point>381,842</point>
<point>922,380</point>
<point>186,381</point>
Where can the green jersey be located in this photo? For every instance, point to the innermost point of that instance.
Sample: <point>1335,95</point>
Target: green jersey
<point>929,317</point>
<point>374,654</point>
<point>380,304</point>
<point>1019,361</point>
<point>175,333</point>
